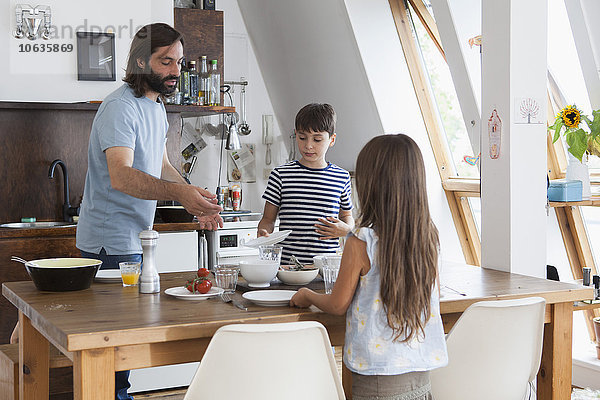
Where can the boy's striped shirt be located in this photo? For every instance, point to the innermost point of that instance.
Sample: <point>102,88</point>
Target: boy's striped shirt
<point>303,195</point>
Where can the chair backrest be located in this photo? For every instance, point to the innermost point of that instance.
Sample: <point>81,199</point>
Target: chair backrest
<point>494,350</point>
<point>268,361</point>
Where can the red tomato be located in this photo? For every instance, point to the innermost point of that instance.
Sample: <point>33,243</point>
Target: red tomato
<point>190,286</point>
<point>202,272</point>
<point>204,286</point>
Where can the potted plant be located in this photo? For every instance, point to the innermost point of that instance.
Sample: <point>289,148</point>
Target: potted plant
<point>581,141</point>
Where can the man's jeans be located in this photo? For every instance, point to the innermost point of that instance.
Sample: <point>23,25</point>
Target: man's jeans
<point>112,262</point>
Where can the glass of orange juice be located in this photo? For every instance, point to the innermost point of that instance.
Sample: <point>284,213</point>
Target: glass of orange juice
<point>130,273</point>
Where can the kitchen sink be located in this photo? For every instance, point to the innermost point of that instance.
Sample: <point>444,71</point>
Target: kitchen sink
<point>37,225</point>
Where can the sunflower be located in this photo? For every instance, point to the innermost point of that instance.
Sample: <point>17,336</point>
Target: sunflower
<point>571,116</point>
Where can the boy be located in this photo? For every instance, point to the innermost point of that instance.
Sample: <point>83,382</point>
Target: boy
<point>311,195</point>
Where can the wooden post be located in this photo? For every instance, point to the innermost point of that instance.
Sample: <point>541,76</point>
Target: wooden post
<point>513,136</point>
<point>34,351</point>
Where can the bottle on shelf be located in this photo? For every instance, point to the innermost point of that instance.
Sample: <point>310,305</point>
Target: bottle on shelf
<point>215,85</point>
<point>193,77</point>
<point>204,82</point>
<point>184,83</point>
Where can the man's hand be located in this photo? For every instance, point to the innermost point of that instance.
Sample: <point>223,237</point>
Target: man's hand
<point>331,228</point>
<point>199,202</point>
<point>210,222</point>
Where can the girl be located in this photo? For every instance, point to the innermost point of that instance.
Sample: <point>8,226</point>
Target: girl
<point>387,283</point>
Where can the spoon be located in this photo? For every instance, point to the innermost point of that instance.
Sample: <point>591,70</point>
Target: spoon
<point>244,129</point>
<point>19,259</point>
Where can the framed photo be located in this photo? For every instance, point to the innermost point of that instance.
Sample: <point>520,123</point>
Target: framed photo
<point>96,56</point>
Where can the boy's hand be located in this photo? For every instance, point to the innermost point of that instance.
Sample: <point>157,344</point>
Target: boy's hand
<point>331,228</point>
<point>262,232</point>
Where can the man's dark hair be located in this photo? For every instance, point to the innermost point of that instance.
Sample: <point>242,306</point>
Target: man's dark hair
<point>316,117</point>
<point>144,44</point>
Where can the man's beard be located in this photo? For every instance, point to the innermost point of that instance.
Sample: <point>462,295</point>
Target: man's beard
<point>157,83</point>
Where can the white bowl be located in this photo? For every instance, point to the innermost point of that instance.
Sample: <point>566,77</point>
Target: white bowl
<point>259,273</point>
<point>302,277</point>
<point>318,261</point>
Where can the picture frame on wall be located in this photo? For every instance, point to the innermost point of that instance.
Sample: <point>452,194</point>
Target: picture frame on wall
<point>96,56</point>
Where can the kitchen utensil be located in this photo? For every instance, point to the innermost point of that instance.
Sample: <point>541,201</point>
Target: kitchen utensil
<point>259,273</point>
<point>270,252</point>
<point>149,279</point>
<point>233,140</point>
<point>108,276</point>
<point>226,277</point>
<point>330,273</point>
<point>274,238</point>
<point>244,128</point>
<point>318,262</point>
<point>227,299</point>
<point>62,274</point>
<point>453,290</point>
<point>174,214</point>
<point>19,259</point>
<point>130,273</point>
<point>270,298</point>
<point>301,277</point>
<point>182,293</point>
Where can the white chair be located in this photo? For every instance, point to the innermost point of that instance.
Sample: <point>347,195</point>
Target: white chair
<point>494,351</point>
<point>268,361</point>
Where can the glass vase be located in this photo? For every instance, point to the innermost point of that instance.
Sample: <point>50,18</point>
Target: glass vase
<point>578,170</point>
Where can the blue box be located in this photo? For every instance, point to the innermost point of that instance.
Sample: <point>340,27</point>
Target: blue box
<point>565,190</point>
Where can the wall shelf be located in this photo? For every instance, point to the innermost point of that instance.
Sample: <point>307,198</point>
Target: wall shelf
<point>93,106</point>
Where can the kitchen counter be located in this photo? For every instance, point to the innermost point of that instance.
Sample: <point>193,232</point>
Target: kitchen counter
<point>8,233</point>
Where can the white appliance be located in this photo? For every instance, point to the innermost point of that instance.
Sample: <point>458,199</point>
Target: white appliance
<point>175,252</point>
<point>226,245</point>
<point>184,251</point>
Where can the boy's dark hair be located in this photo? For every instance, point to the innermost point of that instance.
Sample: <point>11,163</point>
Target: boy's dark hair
<point>316,117</point>
<point>144,44</point>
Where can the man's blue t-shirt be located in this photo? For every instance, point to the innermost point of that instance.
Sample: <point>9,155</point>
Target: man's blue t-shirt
<point>111,219</point>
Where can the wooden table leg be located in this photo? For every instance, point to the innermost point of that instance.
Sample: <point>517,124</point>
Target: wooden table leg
<point>94,374</point>
<point>34,361</point>
<point>554,377</point>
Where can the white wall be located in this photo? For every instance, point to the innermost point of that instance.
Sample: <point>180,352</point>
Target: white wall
<point>240,60</point>
<point>29,76</point>
<point>348,53</point>
<point>307,53</point>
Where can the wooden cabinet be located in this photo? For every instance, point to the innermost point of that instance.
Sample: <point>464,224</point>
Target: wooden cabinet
<point>202,35</point>
<point>28,244</point>
<point>32,244</point>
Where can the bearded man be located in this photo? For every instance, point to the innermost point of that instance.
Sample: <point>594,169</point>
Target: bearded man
<point>128,167</point>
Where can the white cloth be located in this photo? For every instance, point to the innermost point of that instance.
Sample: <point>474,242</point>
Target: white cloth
<point>368,348</point>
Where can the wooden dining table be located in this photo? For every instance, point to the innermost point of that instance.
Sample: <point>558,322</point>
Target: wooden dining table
<point>109,328</point>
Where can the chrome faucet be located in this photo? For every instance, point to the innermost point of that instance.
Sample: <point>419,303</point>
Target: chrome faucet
<point>68,210</point>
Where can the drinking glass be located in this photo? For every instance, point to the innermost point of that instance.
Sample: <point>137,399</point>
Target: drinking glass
<point>270,252</point>
<point>331,267</point>
<point>226,277</point>
<point>130,273</point>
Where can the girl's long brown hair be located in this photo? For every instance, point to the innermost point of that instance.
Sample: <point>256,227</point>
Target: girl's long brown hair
<point>390,183</point>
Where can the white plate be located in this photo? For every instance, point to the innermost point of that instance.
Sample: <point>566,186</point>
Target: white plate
<point>182,293</point>
<point>270,298</point>
<point>274,238</point>
<point>108,275</point>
